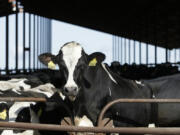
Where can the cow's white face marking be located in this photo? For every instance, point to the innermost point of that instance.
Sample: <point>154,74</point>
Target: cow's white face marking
<point>71,56</point>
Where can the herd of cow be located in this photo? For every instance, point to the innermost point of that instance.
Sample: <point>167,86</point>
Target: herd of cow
<point>81,87</point>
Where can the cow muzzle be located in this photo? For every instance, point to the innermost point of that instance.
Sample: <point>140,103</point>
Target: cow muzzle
<point>71,92</point>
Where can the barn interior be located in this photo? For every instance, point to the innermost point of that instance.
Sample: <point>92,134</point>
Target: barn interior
<point>144,21</point>
<point>131,23</point>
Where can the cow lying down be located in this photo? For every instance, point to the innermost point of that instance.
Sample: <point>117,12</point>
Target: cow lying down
<point>31,112</point>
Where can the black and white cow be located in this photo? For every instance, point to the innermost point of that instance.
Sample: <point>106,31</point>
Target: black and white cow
<point>90,85</point>
<point>23,111</point>
<point>167,87</point>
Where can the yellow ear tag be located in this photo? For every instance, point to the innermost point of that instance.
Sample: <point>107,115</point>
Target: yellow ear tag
<point>3,114</point>
<point>93,62</point>
<point>39,112</point>
<point>51,65</point>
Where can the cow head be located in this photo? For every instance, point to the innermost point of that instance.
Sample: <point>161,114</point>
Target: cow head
<point>72,61</point>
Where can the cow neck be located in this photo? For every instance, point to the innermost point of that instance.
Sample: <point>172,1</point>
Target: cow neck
<point>84,105</point>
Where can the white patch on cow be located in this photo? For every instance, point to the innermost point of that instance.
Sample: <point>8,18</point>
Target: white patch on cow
<point>103,65</point>
<point>26,132</point>
<point>117,113</point>
<point>71,55</point>
<point>110,92</point>
<point>46,89</point>
<point>16,108</point>
<point>16,91</point>
<point>3,102</point>
<point>139,82</point>
<point>13,111</point>
<point>151,125</point>
<point>17,84</point>
<point>84,122</point>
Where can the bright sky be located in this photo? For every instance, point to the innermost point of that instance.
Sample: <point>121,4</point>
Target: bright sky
<point>62,33</point>
<point>91,40</point>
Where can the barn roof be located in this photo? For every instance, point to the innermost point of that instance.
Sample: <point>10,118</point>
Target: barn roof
<point>151,21</point>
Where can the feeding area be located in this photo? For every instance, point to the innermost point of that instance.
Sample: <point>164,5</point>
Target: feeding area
<point>75,92</point>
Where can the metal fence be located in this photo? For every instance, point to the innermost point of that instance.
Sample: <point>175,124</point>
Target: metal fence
<point>131,51</point>
<point>101,128</point>
<point>23,36</point>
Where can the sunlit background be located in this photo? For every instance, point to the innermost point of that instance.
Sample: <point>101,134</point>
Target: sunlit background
<point>90,39</point>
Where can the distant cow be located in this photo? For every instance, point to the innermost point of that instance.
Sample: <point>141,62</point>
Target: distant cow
<point>90,85</point>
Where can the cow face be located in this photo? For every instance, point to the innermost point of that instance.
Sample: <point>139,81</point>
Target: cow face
<point>72,61</point>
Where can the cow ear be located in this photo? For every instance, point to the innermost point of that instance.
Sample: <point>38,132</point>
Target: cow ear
<point>96,58</point>
<point>48,59</point>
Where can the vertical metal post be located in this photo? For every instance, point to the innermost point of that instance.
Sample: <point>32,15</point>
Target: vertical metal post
<point>155,54</point>
<point>125,50</point>
<point>113,48</point>
<point>118,47</point>
<point>7,44</point>
<point>34,41</point>
<point>16,57</point>
<point>40,37</point>
<point>166,55</point>
<point>24,39</point>
<point>139,52</point>
<point>121,51</point>
<point>147,54</point>
<point>147,36</point>
<point>155,34</point>
<point>129,51</point>
<point>134,51</point>
<point>175,55</point>
<point>29,41</point>
<point>37,45</point>
<point>50,36</point>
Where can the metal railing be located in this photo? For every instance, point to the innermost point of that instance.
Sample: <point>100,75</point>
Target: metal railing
<point>99,128</point>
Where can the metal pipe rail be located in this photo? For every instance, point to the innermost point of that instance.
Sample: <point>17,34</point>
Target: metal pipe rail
<point>23,99</point>
<point>99,129</point>
<point>124,100</point>
<point>133,130</point>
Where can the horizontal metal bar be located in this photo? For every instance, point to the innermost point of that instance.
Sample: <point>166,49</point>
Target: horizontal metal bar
<point>125,100</point>
<point>129,130</point>
<point>23,99</point>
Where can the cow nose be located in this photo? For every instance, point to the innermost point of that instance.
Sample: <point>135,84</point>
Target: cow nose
<point>71,90</point>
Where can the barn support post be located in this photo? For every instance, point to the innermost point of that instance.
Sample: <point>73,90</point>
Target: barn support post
<point>7,44</point>
<point>139,52</point>
<point>24,39</point>
<point>129,51</point>
<point>29,42</point>
<point>40,36</point>
<point>118,47</point>
<point>134,45</point>
<point>155,34</point>
<point>34,23</point>
<point>121,52</point>
<point>147,36</point>
<point>124,50</point>
<point>37,45</point>
<point>113,48</point>
<point>16,36</point>
<point>175,55</point>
